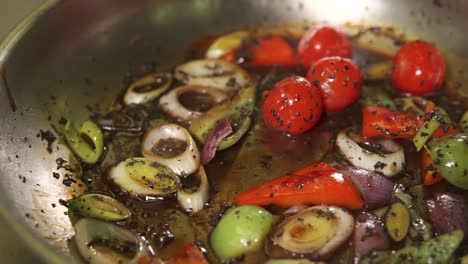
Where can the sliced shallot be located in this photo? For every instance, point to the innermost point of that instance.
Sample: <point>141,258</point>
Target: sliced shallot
<point>144,179</point>
<point>195,201</point>
<point>383,155</point>
<point>147,88</point>
<point>215,73</point>
<point>369,235</point>
<point>316,231</point>
<point>104,243</point>
<point>214,139</point>
<point>375,189</point>
<point>173,102</point>
<point>172,146</point>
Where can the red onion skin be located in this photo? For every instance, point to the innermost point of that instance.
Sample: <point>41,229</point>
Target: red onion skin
<point>369,235</point>
<point>448,212</point>
<point>376,189</point>
<point>214,139</point>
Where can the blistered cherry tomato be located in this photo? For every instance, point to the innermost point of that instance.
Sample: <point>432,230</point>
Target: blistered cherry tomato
<point>418,68</point>
<point>339,81</point>
<point>273,51</point>
<point>324,42</point>
<point>292,106</point>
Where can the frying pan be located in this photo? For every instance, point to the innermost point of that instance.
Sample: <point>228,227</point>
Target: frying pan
<point>69,56</point>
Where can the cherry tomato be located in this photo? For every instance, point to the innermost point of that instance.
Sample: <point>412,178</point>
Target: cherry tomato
<point>339,81</point>
<point>292,106</point>
<point>324,42</point>
<point>274,51</point>
<point>418,68</point>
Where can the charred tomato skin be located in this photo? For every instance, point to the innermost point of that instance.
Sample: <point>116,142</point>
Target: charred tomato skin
<point>418,68</point>
<point>339,81</point>
<point>293,105</point>
<point>323,42</point>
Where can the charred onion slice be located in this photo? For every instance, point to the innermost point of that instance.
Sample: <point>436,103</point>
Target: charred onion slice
<point>173,102</point>
<point>215,73</point>
<point>383,155</point>
<point>194,200</point>
<point>147,88</point>
<point>172,146</point>
<point>101,242</point>
<point>316,231</point>
<point>144,177</point>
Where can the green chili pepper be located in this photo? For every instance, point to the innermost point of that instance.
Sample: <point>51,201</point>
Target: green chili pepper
<point>421,227</point>
<point>413,104</point>
<point>464,122</point>
<point>376,96</point>
<point>241,230</point>
<point>87,143</point>
<point>450,158</point>
<point>418,192</point>
<point>437,250</point>
<point>380,212</point>
<point>236,111</point>
<point>434,119</point>
<point>397,221</point>
<point>99,206</point>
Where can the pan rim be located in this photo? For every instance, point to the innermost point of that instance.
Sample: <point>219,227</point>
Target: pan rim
<point>31,240</point>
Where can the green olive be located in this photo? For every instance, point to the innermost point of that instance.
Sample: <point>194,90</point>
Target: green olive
<point>450,158</point>
<point>241,230</point>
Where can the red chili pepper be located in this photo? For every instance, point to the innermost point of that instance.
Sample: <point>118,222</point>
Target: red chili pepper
<point>189,254</point>
<point>388,123</point>
<point>318,183</point>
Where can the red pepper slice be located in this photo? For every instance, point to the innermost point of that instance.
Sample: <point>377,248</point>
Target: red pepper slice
<point>383,122</point>
<point>318,183</point>
<point>189,254</point>
<point>429,172</point>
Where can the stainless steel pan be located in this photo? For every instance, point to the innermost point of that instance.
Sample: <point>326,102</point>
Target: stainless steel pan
<point>69,56</point>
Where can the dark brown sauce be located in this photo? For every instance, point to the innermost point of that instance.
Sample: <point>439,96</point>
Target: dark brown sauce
<point>196,101</point>
<point>169,147</point>
<point>3,78</point>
